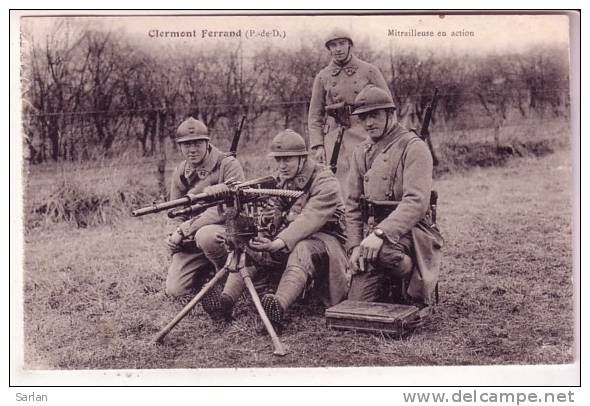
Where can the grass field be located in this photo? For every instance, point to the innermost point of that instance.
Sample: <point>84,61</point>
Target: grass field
<point>93,297</point>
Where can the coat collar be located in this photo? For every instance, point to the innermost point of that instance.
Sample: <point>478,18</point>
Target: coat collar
<point>349,67</point>
<point>388,139</point>
<point>300,181</point>
<point>396,133</point>
<point>205,167</point>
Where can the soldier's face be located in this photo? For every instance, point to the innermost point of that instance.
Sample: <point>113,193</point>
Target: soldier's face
<point>374,123</point>
<point>194,151</point>
<point>339,49</point>
<point>288,166</point>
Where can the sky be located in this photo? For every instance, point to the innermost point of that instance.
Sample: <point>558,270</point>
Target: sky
<point>477,33</point>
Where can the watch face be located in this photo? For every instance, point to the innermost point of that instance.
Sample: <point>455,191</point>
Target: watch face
<point>378,232</point>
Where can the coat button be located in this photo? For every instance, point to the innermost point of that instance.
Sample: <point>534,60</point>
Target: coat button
<point>385,177</point>
<point>366,178</point>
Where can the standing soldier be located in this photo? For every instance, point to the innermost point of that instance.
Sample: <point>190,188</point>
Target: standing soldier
<point>196,244</point>
<point>390,244</point>
<point>309,246</point>
<point>339,82</point>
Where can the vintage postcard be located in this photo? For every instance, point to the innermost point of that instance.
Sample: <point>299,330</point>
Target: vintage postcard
<point>305,198</point>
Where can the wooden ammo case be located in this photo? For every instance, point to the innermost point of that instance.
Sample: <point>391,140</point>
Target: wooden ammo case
<point>371,316</point>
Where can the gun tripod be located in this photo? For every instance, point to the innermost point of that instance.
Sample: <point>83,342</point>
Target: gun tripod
<point>236,262</point>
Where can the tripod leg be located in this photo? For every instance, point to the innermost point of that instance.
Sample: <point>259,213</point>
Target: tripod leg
<point>279,348</point>
<point>219,275</point>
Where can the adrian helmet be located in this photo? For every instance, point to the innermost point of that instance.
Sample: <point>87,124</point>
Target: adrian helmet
<point>337,33</point>
<point>372,98</point>
<point>191,130</point>
<point>288,143</point>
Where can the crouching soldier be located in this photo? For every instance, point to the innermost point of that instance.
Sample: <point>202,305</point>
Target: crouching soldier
<point>196,243</point>
<point>309,248</point>
<point>390,235</point>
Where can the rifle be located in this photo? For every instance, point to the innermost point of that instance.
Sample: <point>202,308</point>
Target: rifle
<point>243,220</point>
<point>424,129</point>
<point>233,150</point>
<point>341,113</point>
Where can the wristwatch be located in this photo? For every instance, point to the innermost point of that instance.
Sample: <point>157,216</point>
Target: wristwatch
<point>379,233</point>
<point>179,231</point>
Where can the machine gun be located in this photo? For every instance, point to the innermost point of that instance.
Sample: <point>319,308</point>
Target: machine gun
<point>341,114</point>
<point>189,199</point>
<point>244,219</point>
<point>196,203</point>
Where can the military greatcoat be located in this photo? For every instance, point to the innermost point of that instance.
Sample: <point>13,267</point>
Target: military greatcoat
<point>187,265</point>
<point>398,167</point>
<point>315,219</point>
<point>335,84</point>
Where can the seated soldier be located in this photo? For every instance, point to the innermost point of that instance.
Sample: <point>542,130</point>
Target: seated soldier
<point>195,244</point>
<point>396,245</point>
<point>310,246</point>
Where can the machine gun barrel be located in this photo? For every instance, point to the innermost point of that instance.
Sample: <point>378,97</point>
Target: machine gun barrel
<point>191,210</point>
<point>158,207</point>
<point>202,199</point>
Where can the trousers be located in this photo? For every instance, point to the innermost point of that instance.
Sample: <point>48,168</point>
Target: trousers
<point>189,270</point>
<point>394,264</point>
<point>309,259</point>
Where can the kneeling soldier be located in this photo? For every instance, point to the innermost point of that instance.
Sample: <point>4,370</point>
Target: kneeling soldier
<point>196,243</point>
<point>390,235</point>
<point>310,246</point>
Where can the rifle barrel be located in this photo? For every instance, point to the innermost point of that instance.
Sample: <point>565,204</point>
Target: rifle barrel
<point>233,150</point>
<point>336,150</point>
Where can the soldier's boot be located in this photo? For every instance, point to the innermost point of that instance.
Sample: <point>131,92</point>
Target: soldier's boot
<point>275,312</point>
<point>218,305</point>
<point>291,286</point>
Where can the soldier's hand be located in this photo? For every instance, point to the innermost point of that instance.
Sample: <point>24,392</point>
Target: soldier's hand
<point>173,241</point>
<point>259,243</point>
<point>356,262</point>
<point>320,154</point>
<point>264,244</point>
<point>276,245</point>
<point>220,238</point>
<point>370,247</point>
